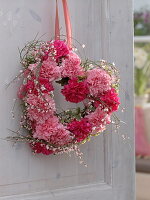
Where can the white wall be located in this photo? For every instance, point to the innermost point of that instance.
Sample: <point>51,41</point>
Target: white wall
<point>138,4</point>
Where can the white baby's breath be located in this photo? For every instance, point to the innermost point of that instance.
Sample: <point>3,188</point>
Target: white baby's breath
<point>140,56</point>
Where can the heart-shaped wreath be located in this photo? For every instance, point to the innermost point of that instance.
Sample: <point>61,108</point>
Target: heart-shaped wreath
<point>94,85</point>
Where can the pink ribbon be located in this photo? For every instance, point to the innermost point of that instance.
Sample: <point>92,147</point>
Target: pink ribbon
<point>57,30</point>
<point>67,23</point>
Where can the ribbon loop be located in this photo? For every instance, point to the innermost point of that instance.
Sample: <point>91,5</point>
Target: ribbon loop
<point>57,30</point>
<point>67,23</point>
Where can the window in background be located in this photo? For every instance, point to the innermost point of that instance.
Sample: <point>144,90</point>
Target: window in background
<point>142,96</point>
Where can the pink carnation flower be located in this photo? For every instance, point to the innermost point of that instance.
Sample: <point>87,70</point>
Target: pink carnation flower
<point>38,147</point>
<point>35,115</point>
<point>61,136</point>
<point>99,119</point>
<point>71,66</point>
<point>46,85</point>
<point>81,129</point>
<point>75,91</point>
<point>46,129</point>
<point>39,108</point>
<point>53,131</point>
<point>29,87</point>
<point>109,100</point>
<point>50,70</point>
<point>61,48</point>
<point>98,81</point>
<point>43,102</point>
<point>72,59</point>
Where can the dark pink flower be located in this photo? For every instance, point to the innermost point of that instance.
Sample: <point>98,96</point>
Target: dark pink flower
<point>48,87</point>
<point>109,100</point>
<point>38,147</point>
<point>75,91</point>
<point>61,48</point>
<point>81,129</point>
<point>29,87</point>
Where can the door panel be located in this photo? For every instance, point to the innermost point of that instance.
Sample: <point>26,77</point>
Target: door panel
<point>105,28</point>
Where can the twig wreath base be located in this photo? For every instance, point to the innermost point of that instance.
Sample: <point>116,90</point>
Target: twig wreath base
<point>92,84</point>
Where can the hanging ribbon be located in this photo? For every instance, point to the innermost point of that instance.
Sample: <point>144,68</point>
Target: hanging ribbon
<point>57,30</point>
<point>67,23</point>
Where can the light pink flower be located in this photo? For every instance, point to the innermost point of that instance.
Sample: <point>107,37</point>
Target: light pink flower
<point>71,66</point>
<point>72,59</point>
<point>53,131</point>
<point>99,118</point>
<point>42,102</point>
<point>35,115</point>
<point>50,70</point>
<point>46,129</point>
<point>39,108</point>
<point>61,136</point>
<point>98,81</point>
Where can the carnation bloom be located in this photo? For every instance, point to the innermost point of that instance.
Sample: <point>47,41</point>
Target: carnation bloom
<point>98,81</point>
<point>46,85</point>
<point>75,91</point>
<point>81,129</point>
<point>99,119</point>
<point>61,136</point>
<point>46,129</point>
<point>50,70</point>
<point>109,100</point>
<point>39,108</point>
<point>61,49</point>
<point>38,147</point>
<point>43,102</point>
<point>35,115</point>
<point>53,131</point>
<point>29,87</point>
<point>71,66</point>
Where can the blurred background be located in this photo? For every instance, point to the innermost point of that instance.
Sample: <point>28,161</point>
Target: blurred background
<point>142,96</point>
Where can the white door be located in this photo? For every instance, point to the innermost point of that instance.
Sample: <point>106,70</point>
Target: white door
<point>105,27</point>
